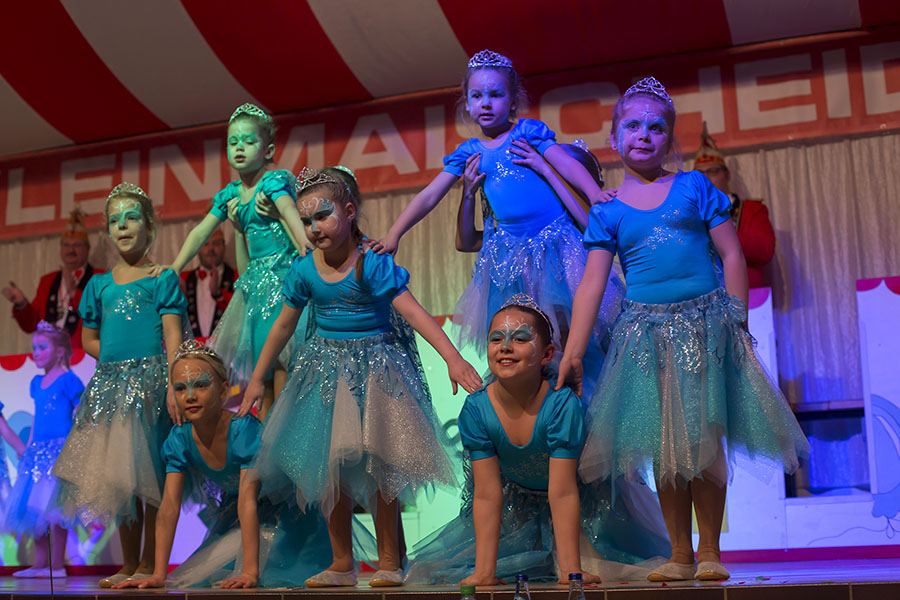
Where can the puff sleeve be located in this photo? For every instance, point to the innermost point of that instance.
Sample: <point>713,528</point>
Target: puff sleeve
<point>220,201</point>
<point>384,278</point>
<point>296,290</point>
<point>565,425</point>
<point>169,298</point>
<point>73,389</point>
<point>243,439</point>
<point>278,183</point>
<point>89,308</point>
<point>600,233</point>
<point>537,134</point>
<point>175,450</point>
<point>455,162</point>
<point>713,204</point>
<point>473,429</point>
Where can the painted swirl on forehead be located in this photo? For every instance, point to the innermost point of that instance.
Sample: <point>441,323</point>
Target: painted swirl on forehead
<point>312,207</point>
<point>124,210</point>
<point>193,377</point>
<point>513,329</point>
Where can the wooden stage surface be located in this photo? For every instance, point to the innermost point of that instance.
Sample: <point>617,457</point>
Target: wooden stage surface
<point>875,579</point>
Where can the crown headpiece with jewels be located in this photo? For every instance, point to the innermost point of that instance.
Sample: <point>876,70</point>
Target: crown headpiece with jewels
<point>527,301</point>
<point>489,58</point>
<point>45,327</point>
<point>126,188</point>
<point>308,177</point>
<point>249,109</point>
<point>649,85</point>
<point>192,346</point>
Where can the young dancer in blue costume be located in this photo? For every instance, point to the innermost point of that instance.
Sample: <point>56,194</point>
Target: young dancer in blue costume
<point>354,423</point>
<point>209,457</point>
<point>530,244</point>
<point>524,508</point>
<point>682,389</point>
<point>272,242</point>
<point>31,508</point>
<point>110,467</point>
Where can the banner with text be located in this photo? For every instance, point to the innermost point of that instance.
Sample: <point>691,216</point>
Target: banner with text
<point>829,85</point>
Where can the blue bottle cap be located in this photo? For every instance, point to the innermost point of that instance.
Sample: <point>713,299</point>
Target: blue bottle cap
<point>521,577</point>
<point>575,577</point>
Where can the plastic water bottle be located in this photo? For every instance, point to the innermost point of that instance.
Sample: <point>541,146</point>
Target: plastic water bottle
<point>467,592</point>
<point>522,592</point>
<point>576,586</point>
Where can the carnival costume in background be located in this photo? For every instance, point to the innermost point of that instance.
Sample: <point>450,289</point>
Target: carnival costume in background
<point>245,324</point>
<point>681,374</point>
<point>53,302</point>
<point>293,545</point>
<point>355,414</point>
<point>112,454</point>
<point>623,534</point>
<point>751,217</point>
<point>201,300</point>
<point>31,507</point>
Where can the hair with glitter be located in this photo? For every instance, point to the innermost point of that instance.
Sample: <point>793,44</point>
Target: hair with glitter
<point>340,182</point>
<point>133,192</point>
<point>57,337</point>
<point>487,59</point>
<point>673,153</point>
<point>263,121</point>
<point>192,349</point>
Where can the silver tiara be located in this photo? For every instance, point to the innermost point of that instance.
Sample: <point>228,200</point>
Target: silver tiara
<point>45,327</point>
<point>126,188</point>
<point>488,58</point>
<point>649,85</point>
<point>249,109</point>
<point>527,301</point>
<point>192,346</point>
<point>308,177</point>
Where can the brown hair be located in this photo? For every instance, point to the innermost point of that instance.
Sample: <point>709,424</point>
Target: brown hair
<point>57,337</point>
<point>513,83</point>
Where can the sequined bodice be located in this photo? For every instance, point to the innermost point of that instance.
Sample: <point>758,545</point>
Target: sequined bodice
<point>265,236</point>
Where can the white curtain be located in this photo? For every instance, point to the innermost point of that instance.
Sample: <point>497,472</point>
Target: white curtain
<point>835,206</point>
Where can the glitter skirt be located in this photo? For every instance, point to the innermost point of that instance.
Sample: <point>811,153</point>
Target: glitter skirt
<point>355,416</point>
<point>679,380</point>
<point>31,506</point>
<point>548,267</point>
<point>112,454</point>
<point>618,542</point>
<point>242,331</point>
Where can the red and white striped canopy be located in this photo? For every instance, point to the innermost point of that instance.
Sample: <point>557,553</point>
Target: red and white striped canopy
<point>76,71</point>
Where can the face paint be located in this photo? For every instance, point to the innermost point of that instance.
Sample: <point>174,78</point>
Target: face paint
<point>122,212</point>
<point>513,330</point>
<point>193,378</point>
<point>313,210</point>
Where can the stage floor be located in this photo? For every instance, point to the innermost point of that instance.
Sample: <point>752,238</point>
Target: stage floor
<point>877,579</point>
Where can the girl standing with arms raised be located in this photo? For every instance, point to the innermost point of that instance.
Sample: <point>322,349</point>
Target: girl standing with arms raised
<point>530,245</point>
<point>681,385</point>
<point>110,467</point>
<point>242,330</point>
<point>354,423</point>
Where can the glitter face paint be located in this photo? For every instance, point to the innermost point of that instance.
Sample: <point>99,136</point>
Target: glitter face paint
<point>122,212</point>
<point>314,212</point>
<point>513,330</point>
<point>194,379</point>
<point>244,145</point>
<point>487,99</point>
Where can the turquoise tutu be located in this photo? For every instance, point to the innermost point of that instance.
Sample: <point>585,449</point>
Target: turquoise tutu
<point>112,453</point>
<point>679,380</point>
<point>31,506</point>
<point>621,541</point>
<point>241,332</point>
<point>547,266</point>
<point>355,416</point>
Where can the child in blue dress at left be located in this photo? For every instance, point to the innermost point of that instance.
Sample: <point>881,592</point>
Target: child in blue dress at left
<point>31,509</point>
<point>110,467</point>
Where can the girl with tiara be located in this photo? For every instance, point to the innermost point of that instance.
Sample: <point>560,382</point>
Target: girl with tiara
<point>209,457</point>
<point>110,466</point>
<point>530,244</point>
<point>682,389</point>
<point>524,508</point>
<point>242,330</point>
<point>354,423</point>
<point>30,509</point>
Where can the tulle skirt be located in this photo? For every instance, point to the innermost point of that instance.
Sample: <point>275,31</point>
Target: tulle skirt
<point>112,454</point>
<point>355,416</point>
<point>242,331</point>
<point>548,267</point>
<point>620,541</point>
<point>681,383</point>
<point>31,506</point>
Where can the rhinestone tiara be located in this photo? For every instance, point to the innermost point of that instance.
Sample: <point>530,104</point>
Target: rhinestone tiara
<point>249,109</point>
<point>308,177</point>
<point>489,58</point>
<point>127,188</point>
<point>527,301</point>
<point>192,346</point>
<point>649,85</point>
<point>45,327</point>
